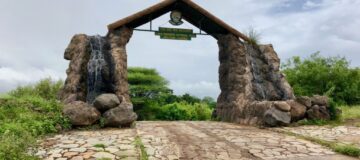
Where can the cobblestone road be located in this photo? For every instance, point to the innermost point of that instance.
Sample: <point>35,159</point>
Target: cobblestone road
<point>184,141</point>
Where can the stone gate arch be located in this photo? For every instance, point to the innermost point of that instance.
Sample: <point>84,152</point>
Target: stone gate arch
<point>253,91</point>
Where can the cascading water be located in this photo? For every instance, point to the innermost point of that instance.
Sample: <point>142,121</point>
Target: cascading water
<point>267,86</point>
<point>258,79</point>
<point>98,69</point>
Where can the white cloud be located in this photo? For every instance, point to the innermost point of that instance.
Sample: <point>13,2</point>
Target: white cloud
<point>201,88</point>
<point>311,4</point>
<point>10,78</point>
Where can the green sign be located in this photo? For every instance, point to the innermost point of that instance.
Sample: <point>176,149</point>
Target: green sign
<point>175,33</point>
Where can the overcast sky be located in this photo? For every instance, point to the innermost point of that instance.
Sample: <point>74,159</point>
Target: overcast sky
<point>34,35</point>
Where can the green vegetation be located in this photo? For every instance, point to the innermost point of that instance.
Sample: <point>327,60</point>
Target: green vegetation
<point>254,37</point>
<point>154,100</point>
<point>318,122</point>
<point>100,146</point>
<point>32,111</point>
<point>350,112</point>
<point>331,76</point>
<point>184,111</point>
<point>27,113</point>
<point>140,145</point>
<point>345,149</point>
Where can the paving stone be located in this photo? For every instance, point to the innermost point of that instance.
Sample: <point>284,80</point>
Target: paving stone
<point>87,154</point>
<point>70,154</point>
<point>111,150</point>
<point>77,158</point>
<point>100,155</point>
<point>64,146</point>
<point>78,150</point>
<point>194,140</point>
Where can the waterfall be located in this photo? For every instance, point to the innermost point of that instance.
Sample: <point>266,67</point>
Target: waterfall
<point>95,67</point>
<point>257,75</point>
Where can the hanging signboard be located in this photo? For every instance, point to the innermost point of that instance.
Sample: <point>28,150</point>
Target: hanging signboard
<point>175,33</point>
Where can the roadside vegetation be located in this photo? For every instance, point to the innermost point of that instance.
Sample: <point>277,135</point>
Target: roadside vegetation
<point>141,147</point>
<point>154,100</point>
<point>29,112</point>
<point>345,149</point>
<point>26,114</point>
<point>330,76</point>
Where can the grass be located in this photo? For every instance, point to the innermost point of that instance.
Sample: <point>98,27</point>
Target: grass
<point>4,95</point>
<point>320,122</point>
<point>140,145</point>
<point>100,146</point>
<point>254,36</point>
<point>345,149</point>
<point>350,112</point>
<point>26,114</point>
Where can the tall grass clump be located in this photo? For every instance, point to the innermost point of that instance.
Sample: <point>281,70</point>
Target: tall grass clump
<point>254,37</point>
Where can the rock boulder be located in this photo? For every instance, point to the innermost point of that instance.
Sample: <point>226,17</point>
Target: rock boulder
<point>320,100</point>
<point>304,100</point>
<point>121,116</point>
<point>317,112</point>
<point>282,106</point>
<point>297,110</point>
<point>81,113</point>
<point>274,117</point>
<point>106,101</point>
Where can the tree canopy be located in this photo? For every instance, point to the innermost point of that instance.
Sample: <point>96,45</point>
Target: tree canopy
<point>154,100</point>
<point>331,76</point>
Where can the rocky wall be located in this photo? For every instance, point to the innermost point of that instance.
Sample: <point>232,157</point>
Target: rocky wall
<point>118,40</point>
<point>253,91</point>
<point>75,86</point>
<point>96,84</point>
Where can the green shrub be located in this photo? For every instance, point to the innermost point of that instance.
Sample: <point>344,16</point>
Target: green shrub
<point>151,95</point>
<point>185,111</point>
<point>331,76</point>
<point>27,113</point>
<point>45,88</point>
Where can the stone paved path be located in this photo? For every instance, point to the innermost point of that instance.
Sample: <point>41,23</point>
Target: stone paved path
<point>183,141</point>
<point>341,134</point>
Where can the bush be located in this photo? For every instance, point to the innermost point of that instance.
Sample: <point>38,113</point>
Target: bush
<point>27,113</point>
<point>330,76</point>
<point>45,88</point>
<point>185,111</point>
<point>151,95</point>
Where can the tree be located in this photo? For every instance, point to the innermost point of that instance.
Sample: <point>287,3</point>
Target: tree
<point>146,86</point>
<point>331,76</point>
<point>154,100</point>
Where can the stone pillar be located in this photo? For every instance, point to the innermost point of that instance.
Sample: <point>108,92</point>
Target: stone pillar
<point>118,40</point>
<point>234,78</point>
<point>251,84</point>
<point>77,52</point>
